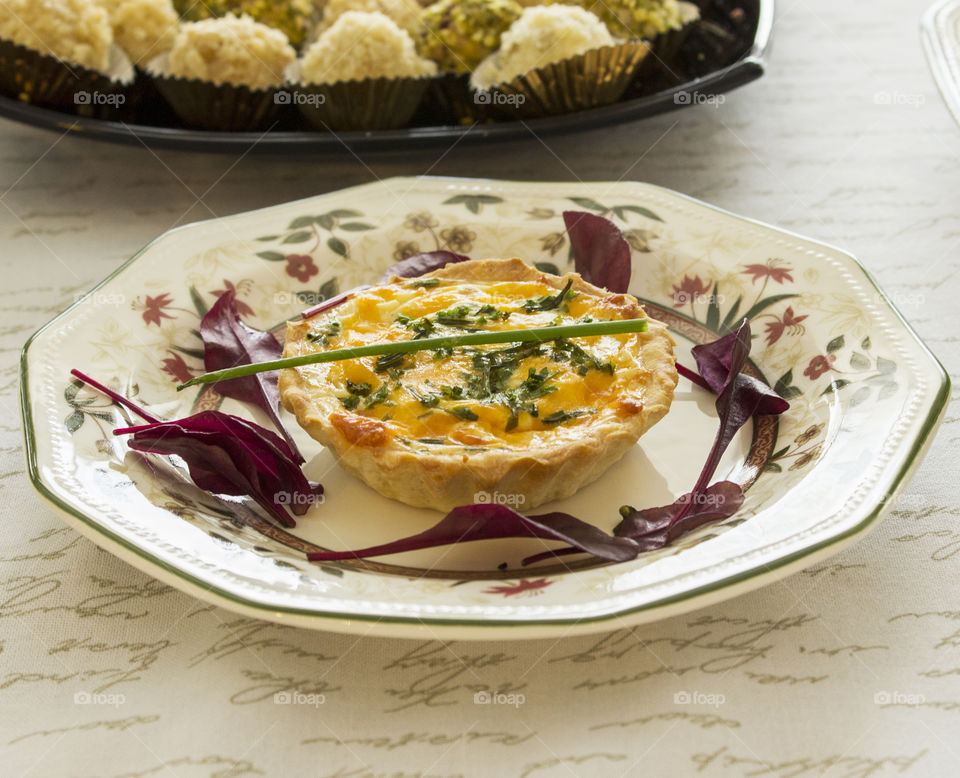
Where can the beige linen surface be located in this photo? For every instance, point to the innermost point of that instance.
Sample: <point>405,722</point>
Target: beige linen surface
<point>847,670</point>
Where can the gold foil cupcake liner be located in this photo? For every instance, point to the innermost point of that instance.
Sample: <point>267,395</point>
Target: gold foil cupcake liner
<point>210,106</point>
<point>451,100</point>
<point>665,46</point>
<point>370,104</point>
<point>42,79</point>
<point>596,77</point>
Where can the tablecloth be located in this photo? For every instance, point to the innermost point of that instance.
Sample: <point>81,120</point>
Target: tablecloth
<point>848,669</point>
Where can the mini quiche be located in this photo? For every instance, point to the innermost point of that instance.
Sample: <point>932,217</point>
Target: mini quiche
<point>437,429</point>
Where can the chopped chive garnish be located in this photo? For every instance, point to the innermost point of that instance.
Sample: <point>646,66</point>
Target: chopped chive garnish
<point>450,321</point>
<point>463,412</point>
<point>361,390</point>
<point>579,358</point>
<point>422,326</point>
<point>549,302</point>
<point>323,334</point>
<point>426,400</point>
<point>458,317</point>
<point>379,396</point>
<point>387,361</point>
<point>422,282</point>
<point>355,393</point>
<point>558,417</point>
<point>360,393</point>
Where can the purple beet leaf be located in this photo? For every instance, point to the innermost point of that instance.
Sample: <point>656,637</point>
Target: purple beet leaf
<point>333,302</point>
<point>486,521</point>
<point>739,397</point>
<point>228,342</point>
<point>722,361</point>
<point>653,528</point>
<point>694,376</point>
<point>420,264</point>
<point>226,454</point>
<point>601,254</point>
<point>715,360</point>
<point>115,396</point>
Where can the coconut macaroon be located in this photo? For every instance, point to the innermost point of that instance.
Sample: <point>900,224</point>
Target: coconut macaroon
<point>545,34</point>
<point>142,28</point>
<point>642,18</point>
<point>406,13</point>
<point>74,31</point>
<point>231,50</point>
<point>459,34</point>
<point>362,45</point>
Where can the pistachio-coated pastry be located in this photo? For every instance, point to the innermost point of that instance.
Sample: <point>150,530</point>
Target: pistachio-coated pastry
<point>459,34</point>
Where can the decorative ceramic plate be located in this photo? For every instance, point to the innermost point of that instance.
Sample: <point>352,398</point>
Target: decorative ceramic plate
<point>865,393</point>
<point>940,32</point>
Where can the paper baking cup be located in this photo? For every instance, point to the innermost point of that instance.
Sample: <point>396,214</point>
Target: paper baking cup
<point>370,104</point>
<point>33,77</point>
<point>596,77</point>
<point>665,46</point>
<point>210,106</point>
<point>451,100</point>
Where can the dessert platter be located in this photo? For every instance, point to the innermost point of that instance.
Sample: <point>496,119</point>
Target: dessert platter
<point>940,34</point>
<point>295,75</point>
<point>501,410</point>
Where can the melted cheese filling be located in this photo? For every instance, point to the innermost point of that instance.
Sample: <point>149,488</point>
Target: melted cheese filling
<point>503,395</point>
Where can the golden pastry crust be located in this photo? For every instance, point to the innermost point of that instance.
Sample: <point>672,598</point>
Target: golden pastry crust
<point>433,439</point>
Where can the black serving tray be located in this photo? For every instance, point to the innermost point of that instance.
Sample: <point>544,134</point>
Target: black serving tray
<point>727,49</point>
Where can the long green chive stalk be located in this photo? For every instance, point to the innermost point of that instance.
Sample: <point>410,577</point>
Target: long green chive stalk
<point>536,334</point>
